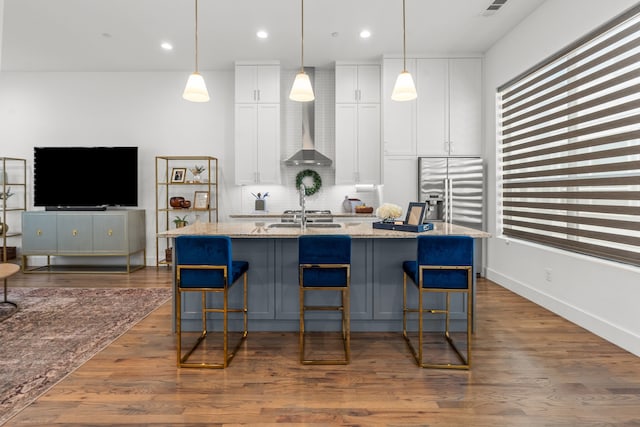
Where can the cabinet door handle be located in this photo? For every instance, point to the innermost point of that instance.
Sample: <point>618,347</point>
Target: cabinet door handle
<point>39,232</point>
<point>110,233</point>
<point>74,232</point>
<point>258,94</point>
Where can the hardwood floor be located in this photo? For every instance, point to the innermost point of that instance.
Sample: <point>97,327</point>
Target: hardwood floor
<point>530,368</point>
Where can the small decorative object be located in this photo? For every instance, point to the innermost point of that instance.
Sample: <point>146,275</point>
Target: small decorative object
<point>311,180</point>
<point>201,200</point>
<point>6,194</point>
<point>178,175</point>
<point>176,202</point>
<point>364,209</point>
<point>261,203</point>
<point>349,204</point>
<point>4,228</point>
<point>197,172</point>
<point>168,254</point>
<point>388,212</point>
<point>180,222</point>
<point>185,204</point>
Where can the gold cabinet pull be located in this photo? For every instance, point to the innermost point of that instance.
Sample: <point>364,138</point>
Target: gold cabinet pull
<point>39,232</point>
<point>74,232</point>
<point>110,232</point>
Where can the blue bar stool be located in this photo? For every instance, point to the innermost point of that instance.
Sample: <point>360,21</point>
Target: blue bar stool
<point>325,265</point>
<point>204,264</point>
<point>444,265</point>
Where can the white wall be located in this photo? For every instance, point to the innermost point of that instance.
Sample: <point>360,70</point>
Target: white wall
<point>147,110</point>
<point>598,295</point>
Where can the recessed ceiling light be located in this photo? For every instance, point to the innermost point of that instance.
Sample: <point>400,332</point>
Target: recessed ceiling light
<point>262,34</point>
<point>365,34</point>
<point>166,46</point>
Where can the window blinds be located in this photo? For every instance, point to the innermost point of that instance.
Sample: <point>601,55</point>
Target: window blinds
<point>569,133</point>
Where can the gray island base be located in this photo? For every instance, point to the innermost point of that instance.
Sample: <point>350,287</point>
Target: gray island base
<point>376,275</point>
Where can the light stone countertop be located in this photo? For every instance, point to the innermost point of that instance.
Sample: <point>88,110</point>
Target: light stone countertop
<point>356,229</point>
<point>279,215</point>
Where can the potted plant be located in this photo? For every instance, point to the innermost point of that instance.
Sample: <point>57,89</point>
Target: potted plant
<point>180,222</point>
<point>197,171</point>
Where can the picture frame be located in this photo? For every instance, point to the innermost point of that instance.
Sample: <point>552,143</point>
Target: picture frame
<point>201,200</point>
<point>415,213</point>
<point>178,175</point>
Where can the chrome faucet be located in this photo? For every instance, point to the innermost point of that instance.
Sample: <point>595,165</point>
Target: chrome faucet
<point>302,190</point>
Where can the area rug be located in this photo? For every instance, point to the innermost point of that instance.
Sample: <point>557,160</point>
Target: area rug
<point>56,330</point>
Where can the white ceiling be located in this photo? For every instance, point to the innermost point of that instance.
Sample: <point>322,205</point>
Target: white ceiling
<point>125,35</point>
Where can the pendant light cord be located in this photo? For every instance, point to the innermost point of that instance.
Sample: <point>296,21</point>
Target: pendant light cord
<point>404,39</point>
<point>196,36</point>
<point>302,37</point>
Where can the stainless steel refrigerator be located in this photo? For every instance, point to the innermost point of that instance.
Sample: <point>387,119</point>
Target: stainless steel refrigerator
<point>453,188</point>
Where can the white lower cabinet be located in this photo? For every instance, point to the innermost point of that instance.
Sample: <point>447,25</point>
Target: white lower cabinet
<point>357,144</point>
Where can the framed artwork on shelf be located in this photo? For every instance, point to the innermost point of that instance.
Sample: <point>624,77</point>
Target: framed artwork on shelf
<point>201,200</point>
<point>178,174</point>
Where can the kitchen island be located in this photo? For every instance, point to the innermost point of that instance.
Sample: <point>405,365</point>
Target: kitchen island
<point>271,248</point>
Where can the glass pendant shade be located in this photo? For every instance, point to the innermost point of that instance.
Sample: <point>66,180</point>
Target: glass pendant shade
<point>404,89</point>
<point>301,90</point>
<point>196,89</point>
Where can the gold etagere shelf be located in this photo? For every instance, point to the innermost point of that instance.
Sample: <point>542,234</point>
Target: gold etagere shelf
<point>177,177</point>
<point>13,201</point>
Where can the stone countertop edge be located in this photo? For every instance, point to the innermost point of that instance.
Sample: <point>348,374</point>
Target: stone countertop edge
<point>310,215</point>
<point>261,229</point>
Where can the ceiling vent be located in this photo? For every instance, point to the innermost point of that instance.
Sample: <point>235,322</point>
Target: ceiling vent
<point>493,8</point>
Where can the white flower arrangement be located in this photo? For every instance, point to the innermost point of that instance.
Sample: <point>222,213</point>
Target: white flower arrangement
<point>388,211</point>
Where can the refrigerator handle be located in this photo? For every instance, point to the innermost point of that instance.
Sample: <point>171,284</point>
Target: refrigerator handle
<point>448,200</point>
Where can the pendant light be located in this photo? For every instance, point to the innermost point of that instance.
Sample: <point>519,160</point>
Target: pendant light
<point>404,89</point>
<point>301,90</point>
<point>196,90</point>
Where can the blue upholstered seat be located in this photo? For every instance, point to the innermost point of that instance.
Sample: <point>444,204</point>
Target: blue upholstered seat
<point>204,264</point>
<point>441,251</point>
<point>207,250</point>
<point>324,249</point>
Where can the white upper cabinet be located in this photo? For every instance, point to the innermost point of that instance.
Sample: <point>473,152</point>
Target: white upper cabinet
<point>258,83</point>
<point>399,118</point>
<point>357,125</point>
<point>357,83</point>
<point>257,144</point>
<point>357,144</point>
<point>257,124</point>
<point>449,107</point>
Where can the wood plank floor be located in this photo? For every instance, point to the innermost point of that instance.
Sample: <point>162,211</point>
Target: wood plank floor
<point>530,368</point>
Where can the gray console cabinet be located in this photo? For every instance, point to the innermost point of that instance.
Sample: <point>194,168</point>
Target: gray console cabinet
<point>110,233</point>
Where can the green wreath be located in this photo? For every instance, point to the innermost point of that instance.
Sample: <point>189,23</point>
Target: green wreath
<point>317,181</point>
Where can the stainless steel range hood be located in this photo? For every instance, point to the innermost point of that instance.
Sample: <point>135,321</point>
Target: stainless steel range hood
<point>308,155</point>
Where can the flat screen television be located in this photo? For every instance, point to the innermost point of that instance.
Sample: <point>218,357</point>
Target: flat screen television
<point>85,178</point>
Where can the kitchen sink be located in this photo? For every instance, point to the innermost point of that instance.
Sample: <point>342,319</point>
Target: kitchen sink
<point>309,225</point>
